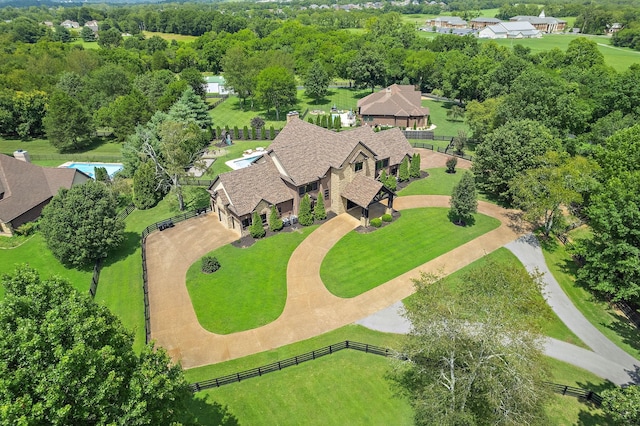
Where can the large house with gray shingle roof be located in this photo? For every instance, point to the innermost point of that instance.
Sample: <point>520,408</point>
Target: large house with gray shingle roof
<point>342,168</point>
<point>26,188</point>
<point>396,105</point>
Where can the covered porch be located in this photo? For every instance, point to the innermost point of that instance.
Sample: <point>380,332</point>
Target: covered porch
<point>364,197</point>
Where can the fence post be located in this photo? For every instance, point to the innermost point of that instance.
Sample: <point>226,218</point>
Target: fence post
<point>296,360</point>
<point>238,376</point>
<point>259,372</point>
<point>217,384</point>
<point>347,342</point>
<point>564,391</point>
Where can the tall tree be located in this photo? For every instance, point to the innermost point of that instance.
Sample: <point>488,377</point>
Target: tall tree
<point>414,169</point>
<point>145,186</point>
<point>367,68</point>
<point>305,215</point>
<point>319,212</point>
<point>403,171</point>
<point>80,224</point>
<point>190,108</point>
<point>559,181</point>
<point>276,88</point>
<point>473,355</point>
<point>275,223</point>
<point>68,360</point>
<point>464,201</point>
<point>195,79</point>
<point>508,151</point>
<point>316,82</point>
<point>124,114</point>
<point>622,404</point>
<point>240,72</point>
<point>110,38</point>
<point>67,125</point>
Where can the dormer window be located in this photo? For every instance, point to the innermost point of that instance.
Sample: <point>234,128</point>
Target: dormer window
<point>358,166</point>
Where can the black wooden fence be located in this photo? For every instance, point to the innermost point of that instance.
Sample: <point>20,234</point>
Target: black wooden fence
<point>159,226</point>
<point>357,346</point>
<point>449,150</point>
<point>191,181</point>
<point>219,101</point>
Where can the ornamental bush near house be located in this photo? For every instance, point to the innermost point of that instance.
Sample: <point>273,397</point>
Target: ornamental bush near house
<point>272,133</point>
<point>310,120</point>
<point>387,217</point>
<point>101,174</point>
<point>376,222</point>
<point>319,212</point>
<point>323,121</point>
<point>337,123</point>
<point>263,133</point>
<point>218,132</point>
<point>256,229</point>
<point>452,162</point>
<point>26,229</point>
<point>403,173</point>
<point>210,264</point>
<point>236,132</point>
<point>275,223</point>
<point>245,132</point>
<point>254,133</point>
<point>305,216</point>
<point>414,170</point>
<point>318,120</point>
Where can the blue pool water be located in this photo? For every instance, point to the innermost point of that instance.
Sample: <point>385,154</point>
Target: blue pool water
<point>244,162</point>
<point>88,168</point>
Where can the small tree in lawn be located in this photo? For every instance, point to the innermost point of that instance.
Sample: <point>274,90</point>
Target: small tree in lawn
<point>403,172</point>
<point>452,162</point>
<point>319,212</point>
<point>256,229</point>
<point>464,201</point>
<point>414,170</point>
<point>275,223</point>
<point>257,122</point>
<point>145,186</point>
<point>305,216</point>
<point>460,141</point>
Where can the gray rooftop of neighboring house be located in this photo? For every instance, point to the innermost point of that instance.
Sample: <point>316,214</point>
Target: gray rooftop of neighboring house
<point>453,20</point>
<point>537,20</point>
<point>486,20</point>
<point>395,100</point>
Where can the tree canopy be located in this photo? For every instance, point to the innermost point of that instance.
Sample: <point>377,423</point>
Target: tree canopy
<point>80,224</point>
<point>67,360</point>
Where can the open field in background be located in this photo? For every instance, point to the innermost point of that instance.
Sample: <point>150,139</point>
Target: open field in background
<point>100,146</point>
<point>169,37</point>
<point>612,324</point>
<point>250,288</point>
<point>444,125</point>
<point>86,44</point>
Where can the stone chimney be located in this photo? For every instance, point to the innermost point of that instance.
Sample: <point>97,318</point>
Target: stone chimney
<point>292,115</point>
<point>21,155</point>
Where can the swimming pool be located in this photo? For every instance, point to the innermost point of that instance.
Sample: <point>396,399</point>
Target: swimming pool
<point>241,163</point>
<point>88,168</point>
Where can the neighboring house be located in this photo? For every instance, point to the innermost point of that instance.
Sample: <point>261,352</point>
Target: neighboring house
<point>481,22</point>
<point>614,28</point>
<point>93,25</point>
<point>394,106</point>
<point>216,84</point>
<point>70,24</point>
<point>446,22</point>
<point>307,159</point>
<point>543,23</point>
<point>510,30</point>
<point>26,188</point>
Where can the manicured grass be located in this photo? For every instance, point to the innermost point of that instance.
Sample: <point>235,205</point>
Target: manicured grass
<point>169,37</point>
<point>610,323</point>
<point>360,262</point>
<point>444,125</point>
<point>439,182</point>
<point>35,252</point>
<point>231,112</point>
<point>231,152</point>
<point>100,147</point>
<point>250,288</point>
<point>347,387</point>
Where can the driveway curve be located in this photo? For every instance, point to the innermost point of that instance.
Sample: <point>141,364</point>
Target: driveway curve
<point>310,308</point>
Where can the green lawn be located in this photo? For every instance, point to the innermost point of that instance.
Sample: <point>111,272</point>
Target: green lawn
<point>34,251</point>
<point>612,324</point>
<point>169,36</point>
<point>444,126</point>
<point>231,152</point>
<point>231,112</point>
<point>100,147</point>
<point>250,288</point>
<point>439,182</point>
<point>360,262</point>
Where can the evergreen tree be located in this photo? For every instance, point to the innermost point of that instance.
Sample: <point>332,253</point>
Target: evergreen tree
<point>191,108</point>
<point>305,216</point>
<point>245,133</point>
<point>316,82</point>
<point>323,121</point>
<point>464,202</point>
<point>403,173</point>
<point>256,229</point>
<point>310,120</point>
<point>145,186</point>
<point>337,123</point>
<point>319,212</point>
<point>414,171</point>
<point>383,177</point>
<point>452,162</point>
<point>318,120</point>
<point>275,223</point>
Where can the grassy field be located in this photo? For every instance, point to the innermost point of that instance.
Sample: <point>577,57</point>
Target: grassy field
<point>250,289</point>
<point>444,126</point>
<point>34,252</point>
<point>360,262</point>
<point>439,182</point>
<point>230,153</point>
<point>232,113</point>
<point>169,37</point>
<point>100,147</point>
<point>610,323</point>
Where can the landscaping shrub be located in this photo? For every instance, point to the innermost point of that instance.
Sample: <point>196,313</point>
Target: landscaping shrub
<point>256,229</point>
<point>414,170</point>
<point>236,132</point>
<point>387,217</point>
<point>318,119</point>
<point>323,121</point>
<point>26,229</point>
<point>263,133</point>
<point>310,120</point>
<point>452,162</point>
<point>403,172</point>
<point>337,123</point>
<point>319,212</point>
<point>275,223</point>
<point>245,132</point>
<point>101,174</point>
<point>254,133</point>
<point>218,132</point>
<point>305,216</point>
<point>210,264</point>
<point>376,222</point>
<point>272,133</point>
<point>145,192</point>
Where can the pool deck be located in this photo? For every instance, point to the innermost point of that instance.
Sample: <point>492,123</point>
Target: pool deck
<point>98,164</point>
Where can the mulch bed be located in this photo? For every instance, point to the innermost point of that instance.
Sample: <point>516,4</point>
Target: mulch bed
<point>248,240</point>
<point>404,184</point>
<point>367,229</point>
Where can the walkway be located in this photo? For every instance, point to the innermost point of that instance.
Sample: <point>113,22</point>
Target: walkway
<point>310,309</point>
